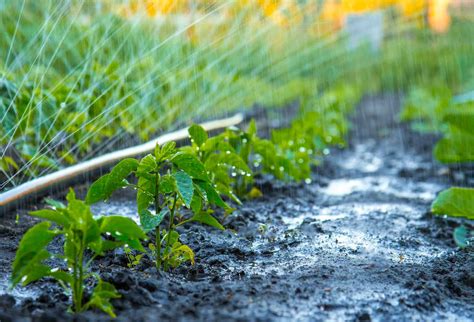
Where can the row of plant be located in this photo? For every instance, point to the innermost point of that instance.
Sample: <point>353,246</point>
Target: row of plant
<point>196,183</point>
<point>436,110</point>
<point>74,82</point>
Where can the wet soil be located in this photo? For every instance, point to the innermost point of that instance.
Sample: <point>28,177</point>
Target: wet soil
<point>357,243</point>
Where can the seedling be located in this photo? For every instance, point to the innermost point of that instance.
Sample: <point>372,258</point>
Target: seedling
<point>81,233</point>
<point>169,181</point>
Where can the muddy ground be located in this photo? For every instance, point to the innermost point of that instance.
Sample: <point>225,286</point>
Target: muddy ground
<point>356,244</point>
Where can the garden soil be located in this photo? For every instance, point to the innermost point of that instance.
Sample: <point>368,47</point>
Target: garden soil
<point>357,243</point>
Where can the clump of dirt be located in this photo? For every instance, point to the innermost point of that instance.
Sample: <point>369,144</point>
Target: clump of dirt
<point>355,244</point>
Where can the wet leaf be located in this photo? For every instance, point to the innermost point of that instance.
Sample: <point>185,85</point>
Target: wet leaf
<point>455,202</point>
<point>52,215</point>
<point>123,229</point>
<point>198,134</point>
<point>184,184</point>
<point>101,297</point>
<point>191,165</point>
<point>103,188</point>
<point>462,236</point>
<point>149,221</point>
<point>30,254</point>
<point>211,194</point>
<point>206,218</point>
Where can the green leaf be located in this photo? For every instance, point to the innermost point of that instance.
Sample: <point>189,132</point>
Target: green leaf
<point>167,184</point>
<point>166,151</point>
<point>206,218</point>
<point>146,165</point>
<point>52,215</point>
<point>180,253</point>
<point>196,203</point>
<point>150,221</point>
<point>252,129</point>
<point>197,134</point>
<point>123,229</point>
<point>455,148</point>
<point>184,183</point>
<point>211,194</point>
<point>463,120</point>
<point>103,188</point>
<point>81,219</point>
<point>462,236</point>
<point>455,202</point>
<point>31,252</point>
<point>191,165</point>
<point>54,203</point>
<point>101,297</point>
<point>145,193</point>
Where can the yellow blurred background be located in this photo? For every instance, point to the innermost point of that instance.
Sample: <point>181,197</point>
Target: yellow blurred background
<point>329,14</point>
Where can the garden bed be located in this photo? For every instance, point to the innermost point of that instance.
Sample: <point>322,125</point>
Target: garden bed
<point>357,243</point>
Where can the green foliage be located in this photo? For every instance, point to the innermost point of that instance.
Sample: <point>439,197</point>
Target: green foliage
<point>425,107</point>
<point>168,181</point>
<point>463,236</point>
<point>102,189</point>
<point>457,145</point>
<point>455,202</point>
<point>81,232</point>
<point>433,110</point>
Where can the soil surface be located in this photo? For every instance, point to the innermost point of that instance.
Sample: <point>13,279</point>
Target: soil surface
<point>357,243</point>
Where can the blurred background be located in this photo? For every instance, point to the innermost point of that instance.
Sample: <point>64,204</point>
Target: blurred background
<point>81,78</point>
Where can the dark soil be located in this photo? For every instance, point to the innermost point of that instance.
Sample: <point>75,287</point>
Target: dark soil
<point>357,243</point>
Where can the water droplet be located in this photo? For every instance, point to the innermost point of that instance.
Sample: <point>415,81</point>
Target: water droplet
<point>256,164</point>
<point>24,278</point>
<point>107,233</point>
<point>326,151</point>
<point>249,175</point>
<point>281,169</point>
<point>244,141</point>
<point>62,105</point>
<point>300,161</point>
<point>227,152</point>
<point>307,180</point>
<point>233,174</point>
<point>126,245</point>
<point>118,233</point>
<point>290,143</point>
<point>302,149</point>
<point>55,269</point>
<point>272,167</point>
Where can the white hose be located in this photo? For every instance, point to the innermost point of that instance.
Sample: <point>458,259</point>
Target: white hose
<point>37,186</point>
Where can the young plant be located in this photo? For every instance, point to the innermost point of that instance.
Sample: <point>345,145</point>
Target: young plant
<point>81,233</point>
<point>169,181</point>
<point>456,202</point>
<point>225,166</point>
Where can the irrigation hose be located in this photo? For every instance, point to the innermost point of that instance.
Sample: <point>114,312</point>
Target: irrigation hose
<point>41,185</point>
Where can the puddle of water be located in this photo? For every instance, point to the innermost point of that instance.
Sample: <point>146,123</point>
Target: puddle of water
<point>383,185</point>
<point>18,292</point>
<point>125,208</point>
<point>362,160</point>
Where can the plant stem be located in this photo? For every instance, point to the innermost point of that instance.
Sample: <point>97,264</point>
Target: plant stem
<point>157,229</point>
<point>158,248</point>
<point>171,225</point>
<point>78,273</point>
